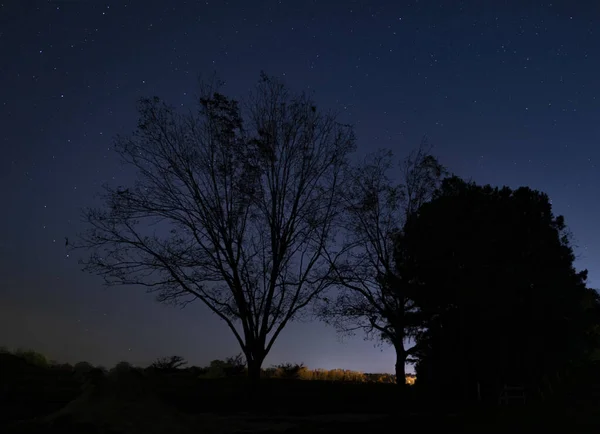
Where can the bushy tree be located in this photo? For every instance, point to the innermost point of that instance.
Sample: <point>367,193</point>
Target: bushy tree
<point>497,290</point>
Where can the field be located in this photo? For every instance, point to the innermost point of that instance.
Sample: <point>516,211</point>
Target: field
<point>43,400</point>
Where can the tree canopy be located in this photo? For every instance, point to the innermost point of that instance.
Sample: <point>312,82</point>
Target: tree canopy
<point>498,293</point>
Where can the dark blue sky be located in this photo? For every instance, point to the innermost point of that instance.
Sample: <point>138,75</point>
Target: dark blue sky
<point>507,92</point>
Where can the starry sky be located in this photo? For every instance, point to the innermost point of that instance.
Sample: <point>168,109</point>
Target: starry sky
<point>507,92</point>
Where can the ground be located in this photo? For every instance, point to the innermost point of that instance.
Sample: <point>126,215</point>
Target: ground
<point>50,401</point>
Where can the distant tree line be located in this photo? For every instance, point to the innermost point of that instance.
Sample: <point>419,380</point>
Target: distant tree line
<point>231,367</point>
<point>263,216</point>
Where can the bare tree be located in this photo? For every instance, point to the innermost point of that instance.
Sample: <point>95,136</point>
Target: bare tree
<point>169,363</point>
<point>245,198</point>
<point>372,296</point>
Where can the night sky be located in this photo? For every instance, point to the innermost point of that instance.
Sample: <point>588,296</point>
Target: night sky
<point>508,92</point>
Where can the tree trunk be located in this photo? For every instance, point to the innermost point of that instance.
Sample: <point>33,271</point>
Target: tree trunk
<point>254,359</point>
<point>400,364</point>
<point>255,356</point>
<point>401,377</point>
<point>400,373</point>
<point>254,368</point>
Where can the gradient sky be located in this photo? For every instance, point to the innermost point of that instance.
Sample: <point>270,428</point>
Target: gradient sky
<point>508,92</point>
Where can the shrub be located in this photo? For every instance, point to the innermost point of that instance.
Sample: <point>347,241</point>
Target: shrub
<point>230,367</point>
<point>290,371</point>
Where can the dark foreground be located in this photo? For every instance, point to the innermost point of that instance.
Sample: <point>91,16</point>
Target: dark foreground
<point>48,402</point>
<point>124,421</point>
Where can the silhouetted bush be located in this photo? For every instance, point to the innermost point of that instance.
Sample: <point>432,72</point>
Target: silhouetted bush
<point>228,368</point>
<point>291,371</point>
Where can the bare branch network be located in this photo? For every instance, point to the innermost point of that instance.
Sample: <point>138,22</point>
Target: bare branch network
<point>236,205</point>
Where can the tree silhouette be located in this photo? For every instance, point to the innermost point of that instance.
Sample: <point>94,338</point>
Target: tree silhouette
<point>372,296</point>
<point>246,198</point>
<point>171,363</point>
<point>501,299</point>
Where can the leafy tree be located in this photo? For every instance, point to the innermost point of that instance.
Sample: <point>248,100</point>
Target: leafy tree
<point>501,300</point>
<point>373,296</point>
<point>247,202</point>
